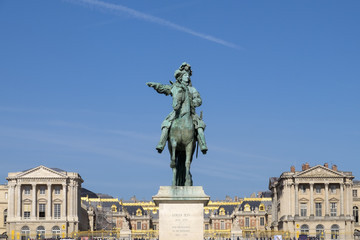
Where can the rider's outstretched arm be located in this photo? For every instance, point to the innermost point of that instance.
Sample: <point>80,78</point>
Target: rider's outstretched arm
<point>160,88</point>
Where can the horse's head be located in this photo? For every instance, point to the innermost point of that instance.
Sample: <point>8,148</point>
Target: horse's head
<point>178,92</point>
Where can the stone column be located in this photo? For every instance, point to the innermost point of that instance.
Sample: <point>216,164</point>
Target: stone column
<point>76,200</point>
<point>33,209</point>
<point>341,199</point>
<point>311,199</point>
<point>326,199</point>
<point>18,210</point>
<point>348,196</point>
<point>64,207</point>
<point>11,213</point>
<point>49,203</point>
<point>292,201</point>
<point>275,206</point>
<point>296,199</point>
<point>71,197</point>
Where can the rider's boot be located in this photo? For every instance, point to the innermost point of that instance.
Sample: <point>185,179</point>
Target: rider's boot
<point>163,138</point>
<point>201,140</point>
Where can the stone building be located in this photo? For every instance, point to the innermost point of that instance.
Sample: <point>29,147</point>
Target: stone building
<point>316,201</point>
<point>3,209</point>
<point>356,207</point>
<point>253,217</point>
<point>43,202</point>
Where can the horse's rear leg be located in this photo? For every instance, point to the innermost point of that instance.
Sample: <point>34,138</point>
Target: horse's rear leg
<point>189,153</point>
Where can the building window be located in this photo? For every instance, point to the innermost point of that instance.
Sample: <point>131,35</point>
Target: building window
<point>138,226</point>
<point>154,227</point>
<point>247,222</point>
<point>354,193</point>
<point>318,210</point>
<point>55,232</point>
<point>302,188</point>
<point>206,227</point>
<point>262,221</point>
<point>27,210</point>
<point>40,232</point>
<point>262,207</point>
<point>333,209</point>
<point>25,233</point>
<point>5,216</point>
<point>303,209</point>
<point>304,229</point>
<point>318,189</point>
<point>57,190</point>
<point>42,190</point>
<point>114,208</point>
<point>320,232</point>
<point>334,231</point>
<point>356,214</point>
<point>27,190</point>
<point>333,188</point>
<point>41,210</point>
<point>222,225</point>
<point>57,209</point>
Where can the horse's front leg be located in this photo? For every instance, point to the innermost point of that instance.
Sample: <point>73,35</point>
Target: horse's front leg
<point>172,162</point>
<point>189,153</point>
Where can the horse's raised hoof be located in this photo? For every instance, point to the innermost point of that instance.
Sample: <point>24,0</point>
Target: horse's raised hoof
<point>204,151</point>
<point>172,164</point>
<point>159,150</point>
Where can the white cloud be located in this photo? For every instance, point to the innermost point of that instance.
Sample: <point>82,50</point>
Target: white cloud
<point>116,8</point>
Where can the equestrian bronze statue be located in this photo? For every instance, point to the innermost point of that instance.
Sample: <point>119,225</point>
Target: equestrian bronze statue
<point>182,128</point>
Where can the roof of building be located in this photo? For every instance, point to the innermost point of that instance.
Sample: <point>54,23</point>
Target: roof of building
<point>132,210</point>
<point>229,209</point>
<point>87,193</point>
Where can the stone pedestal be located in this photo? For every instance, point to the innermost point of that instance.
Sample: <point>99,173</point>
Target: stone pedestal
<point>181,212</point>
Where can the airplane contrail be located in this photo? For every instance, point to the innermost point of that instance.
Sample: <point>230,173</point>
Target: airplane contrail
<point>149,18</point>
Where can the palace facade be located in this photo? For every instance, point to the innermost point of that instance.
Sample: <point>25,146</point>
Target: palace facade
<point>317,201</point>
<point>46,202</point>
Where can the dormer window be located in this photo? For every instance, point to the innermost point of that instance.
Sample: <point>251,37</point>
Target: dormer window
<point>222,211</point>
<point>138,212</point>
<point>113,208</point>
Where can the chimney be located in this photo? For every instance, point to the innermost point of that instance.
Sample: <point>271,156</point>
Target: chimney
<point>303,167</point>
<point>307,166</point>
<point>334,167</point>
<point>326,165</point>
<point>292,169</point>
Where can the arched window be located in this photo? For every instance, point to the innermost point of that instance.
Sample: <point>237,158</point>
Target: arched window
<point>40,232</point>
<point>356,214</point>
<point>55,232</point>
<point>25,233</point>
<point>335,231</point>
<point>320,234</point>
<point>304,229</point>
<point>5,216</point>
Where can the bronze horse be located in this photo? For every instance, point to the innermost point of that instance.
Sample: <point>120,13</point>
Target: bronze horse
<point>181,141</point>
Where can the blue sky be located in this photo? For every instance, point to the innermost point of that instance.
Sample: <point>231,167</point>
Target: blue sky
<point>279,82</point>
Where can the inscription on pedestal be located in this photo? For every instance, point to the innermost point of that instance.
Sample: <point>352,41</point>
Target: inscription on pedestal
<point>181,221</point>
